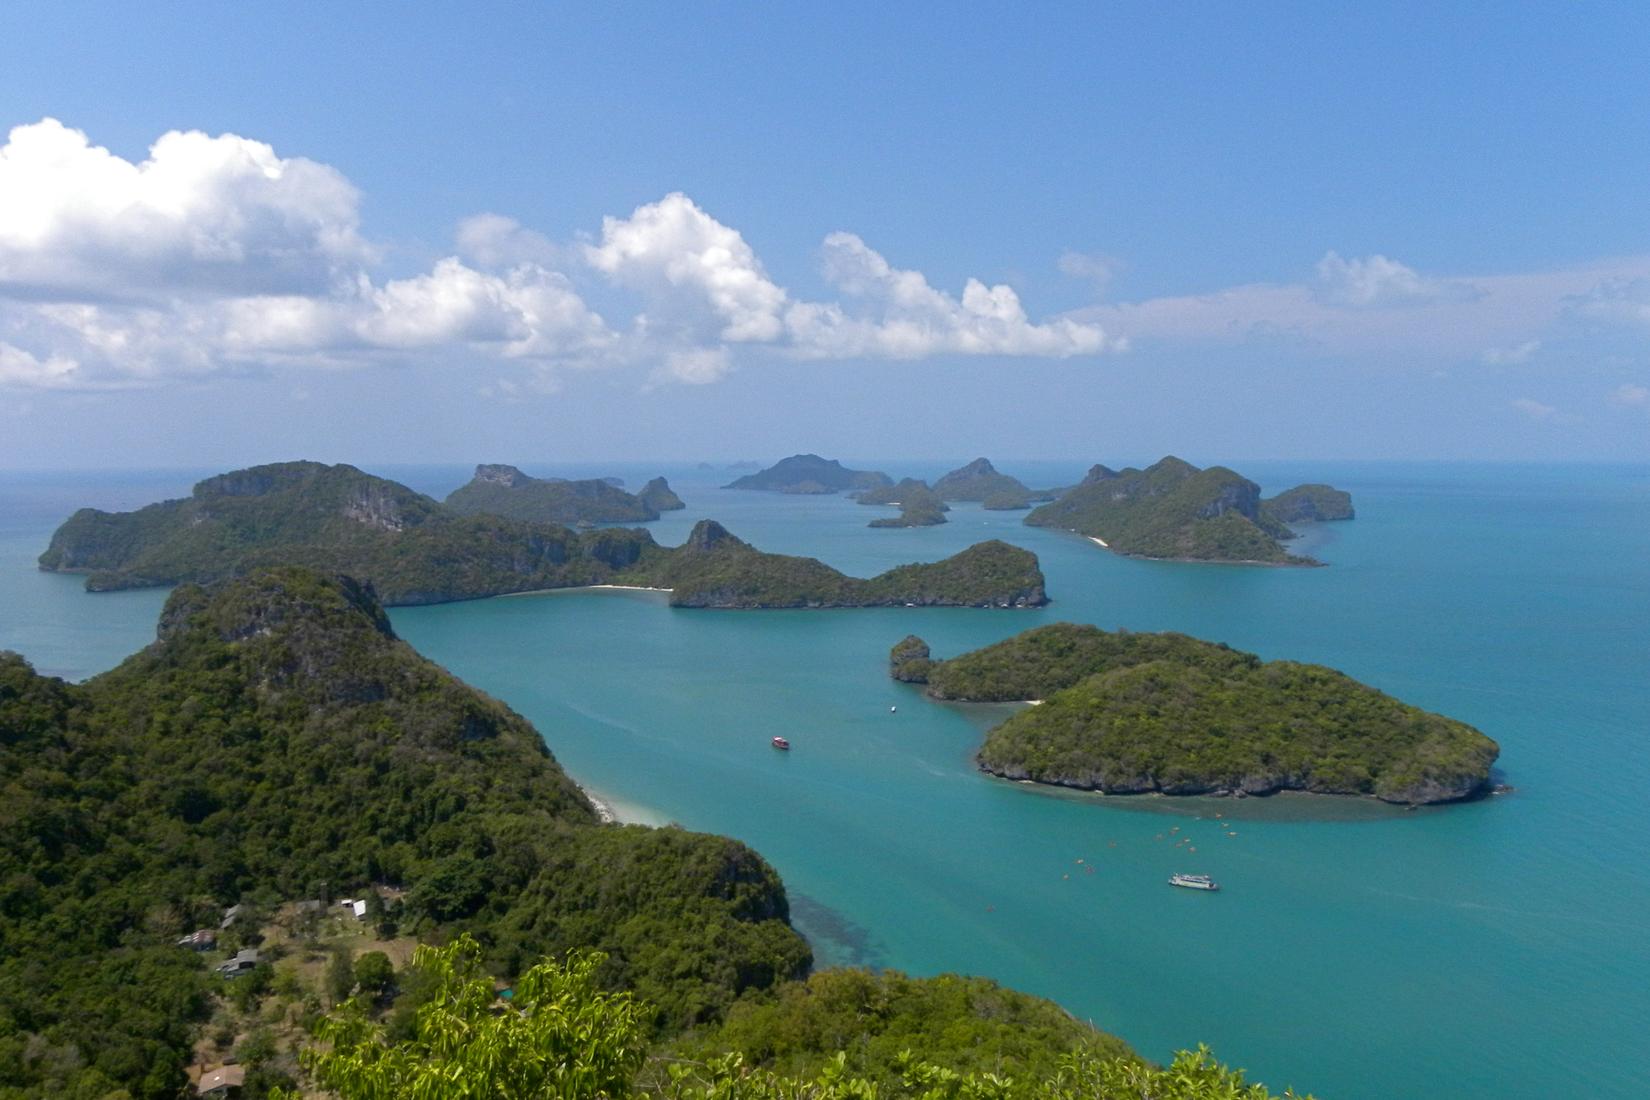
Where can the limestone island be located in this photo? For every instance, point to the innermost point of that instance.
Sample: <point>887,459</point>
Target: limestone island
<point>919,506</point>
<point>715,569</point>
<point>1126,713</point>
<point>1173,511</point>
<point>979,481</point>
<point>501,490</point>
<point>414,550</point>
<point>810,474</point>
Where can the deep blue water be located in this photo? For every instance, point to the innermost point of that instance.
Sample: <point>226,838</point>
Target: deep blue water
<point>1486,950</point>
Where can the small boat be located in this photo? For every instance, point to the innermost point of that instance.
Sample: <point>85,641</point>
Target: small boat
<point>1194,882</point>
<point>781,743</point>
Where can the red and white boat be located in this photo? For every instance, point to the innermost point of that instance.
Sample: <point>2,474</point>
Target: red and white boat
<point>781,743</point>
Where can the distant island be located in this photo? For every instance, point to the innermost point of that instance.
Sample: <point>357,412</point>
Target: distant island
<point>659,496</point>
<point>501,490</point>
<point>1309,504</point>
<point>1126,713</point>
<point>715,569</point>
<point>919,506</point>
<point>414,550</point>
<point>1174,511</point>
<point>979,481</point>
<point>810,474</point>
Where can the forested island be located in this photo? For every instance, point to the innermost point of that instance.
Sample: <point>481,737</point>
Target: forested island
<point>1174,511</point>
<point>919,506</point>
<point>1126,713</point>
<point>1310,504</point>
<point>980,481</point>
<point>501,490</point>
<point>279,743</point>
<point>413,550</point>
<point>810,474</point>
<point>715,569</point>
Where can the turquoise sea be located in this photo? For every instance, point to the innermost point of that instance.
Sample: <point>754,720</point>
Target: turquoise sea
<point>1486,950</point>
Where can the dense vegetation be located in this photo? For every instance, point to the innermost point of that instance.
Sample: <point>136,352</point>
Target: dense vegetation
<point>715,569</point>
<point>338,520</point>
<point>501,490</point>
<point>1309,504</point>
<point>413,550</point>
<point>919,506</point>
<point>1173,510</point>
<point>1126,713</point>
<point>810,474</point>
<point>561,1035</point>
<point>979,480</point>
<point>970,1025</point>
<point>1006,501</point>
<point>278,742</point>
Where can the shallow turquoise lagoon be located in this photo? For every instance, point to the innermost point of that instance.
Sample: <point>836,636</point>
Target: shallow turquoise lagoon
<point>1356,950</point>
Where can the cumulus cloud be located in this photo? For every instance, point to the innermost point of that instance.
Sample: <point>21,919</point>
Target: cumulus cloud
<point>216,254</point>
<point>673,244</point>
<point>889,313</point>
<point>207,214</point>
<point>493,240</point>
<point>1534,409</point>
<point>900,316</point>
<point>1378,281</point>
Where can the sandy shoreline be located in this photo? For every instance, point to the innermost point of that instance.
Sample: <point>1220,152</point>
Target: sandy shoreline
<point>615,811</point>
<point>1101,543</point>
<point>581,588</point>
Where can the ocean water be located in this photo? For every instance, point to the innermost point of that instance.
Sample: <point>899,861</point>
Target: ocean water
<point>1356,950</point>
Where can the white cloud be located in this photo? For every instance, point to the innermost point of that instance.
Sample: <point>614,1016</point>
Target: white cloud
<point>529,312</point>
<point>674,244</point>
<point>1378,281</point>
<point>24,370</point>
<point>903,317</point>
<point>1616,300</point>
<point>1503,312</point>
<point>697,366</point>
<point>218,255</point>
<point>890,313</point>
<point>1533,409</point>
<point>202,214</point>
<point>494,241</point>
<point>1521,353</point>
<point>1632,396</point>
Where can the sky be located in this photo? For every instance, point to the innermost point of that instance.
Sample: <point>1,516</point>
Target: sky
<point>541,233</point>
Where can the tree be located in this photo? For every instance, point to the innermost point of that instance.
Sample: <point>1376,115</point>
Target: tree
<point>559,1036</point>
<point>374,972</point>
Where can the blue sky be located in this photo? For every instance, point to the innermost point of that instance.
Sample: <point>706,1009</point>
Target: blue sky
<point>534,233</point>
